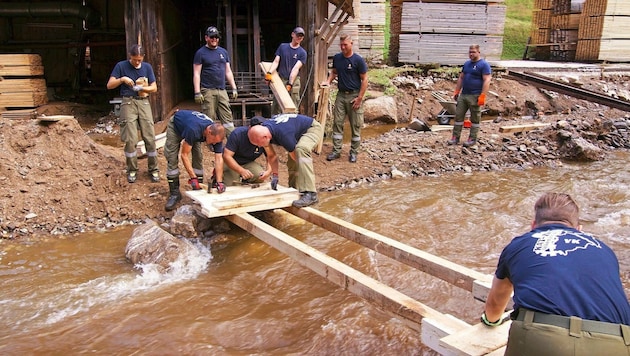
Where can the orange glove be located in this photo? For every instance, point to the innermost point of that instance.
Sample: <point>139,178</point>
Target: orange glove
<point>289,87</point>
<point>456,94</point>
<point>268,77</point>
<point>481,100</point>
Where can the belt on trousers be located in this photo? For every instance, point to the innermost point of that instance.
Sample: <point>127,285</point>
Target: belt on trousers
<point>136,97</point>
<point>349,91</point>
<point>565,322</point>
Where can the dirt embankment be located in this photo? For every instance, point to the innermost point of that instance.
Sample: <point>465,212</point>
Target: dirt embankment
<point>58,178</point>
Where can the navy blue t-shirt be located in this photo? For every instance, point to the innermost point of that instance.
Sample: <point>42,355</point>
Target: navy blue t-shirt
<point>244,151</point>
<point>190,125</point>
<point>288,57</point>
<point>559,270</point>
<point>287,129</point>
<point>126,69</point>
<point>473,76</point>
<point>349,71</point>
<point>213,63</point>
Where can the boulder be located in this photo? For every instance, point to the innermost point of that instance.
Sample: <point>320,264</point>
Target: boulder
<point>381,109</point>
<point>150,244</point>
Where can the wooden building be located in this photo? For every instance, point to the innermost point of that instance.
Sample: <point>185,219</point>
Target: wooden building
<point>81,41</point>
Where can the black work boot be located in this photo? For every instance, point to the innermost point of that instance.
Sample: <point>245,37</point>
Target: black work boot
<point>453,141</point>
<point>175,196</point>
<point>307,198</point>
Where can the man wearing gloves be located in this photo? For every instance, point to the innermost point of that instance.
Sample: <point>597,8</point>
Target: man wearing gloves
<point>470,93</point>
<point>240,158</point>
<point>298,135</point>
<point>189,129</point>
<point>290,57</point>
<point>568,296</point>
<point>211,70</point>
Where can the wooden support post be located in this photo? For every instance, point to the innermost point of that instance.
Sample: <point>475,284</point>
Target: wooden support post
<point>279,90</point>
<point>322,112</point>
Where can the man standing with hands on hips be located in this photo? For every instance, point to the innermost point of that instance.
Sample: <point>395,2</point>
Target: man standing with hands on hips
<point>211,69</point>
<point>351,70</point>
<point>290,57</point>
<point>136,80</point>
<point>470,93</point>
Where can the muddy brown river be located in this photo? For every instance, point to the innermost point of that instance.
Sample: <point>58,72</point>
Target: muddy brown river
<point>79,295</point>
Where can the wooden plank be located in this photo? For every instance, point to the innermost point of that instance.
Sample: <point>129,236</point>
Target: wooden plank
<point>436,128</point>
<point>6,71</point>
<point>279,90</point>
<point>322,112</point>
<point>9,85</point>
<point>522,128</point>
<point>160,140</point>
<point>375,292</point>
<point>20,59</point>
<point>476,340</point>
<point>54,118</point>
<point>242,199</point>
<point>453,273</point>
<point>453,18</point>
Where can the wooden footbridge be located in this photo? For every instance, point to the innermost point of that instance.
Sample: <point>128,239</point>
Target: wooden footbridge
<point>443,333</point>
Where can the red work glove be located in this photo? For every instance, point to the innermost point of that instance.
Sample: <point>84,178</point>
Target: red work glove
<point>481,100</point>
<point>194,183</point>
<point>289,87</point>
<point>456,94</point>
<point>220,187</point>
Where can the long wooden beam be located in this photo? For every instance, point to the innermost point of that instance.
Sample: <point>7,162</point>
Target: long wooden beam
<point>453,273</point>
<point>375,292</point>
<point>580,93</point>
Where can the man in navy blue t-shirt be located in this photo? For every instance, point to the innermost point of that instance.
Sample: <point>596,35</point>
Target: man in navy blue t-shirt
<point>350,70</point>
<point>136,80</point>
<point>470,93</point>
<point>240,155</point>
<point>185,133</point>
<point>568,296</point>
<point>298,135</point>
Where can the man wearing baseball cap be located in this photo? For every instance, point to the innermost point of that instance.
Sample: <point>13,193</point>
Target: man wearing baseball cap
<point>290,57</point>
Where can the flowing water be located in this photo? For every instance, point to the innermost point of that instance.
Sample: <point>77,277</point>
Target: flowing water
<point>79,295</point>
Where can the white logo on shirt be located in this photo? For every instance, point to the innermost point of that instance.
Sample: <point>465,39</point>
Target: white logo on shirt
<point>561,242</point>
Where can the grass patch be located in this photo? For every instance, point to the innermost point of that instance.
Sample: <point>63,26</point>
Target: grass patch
<point>518,25</point>
<point>383,76</point>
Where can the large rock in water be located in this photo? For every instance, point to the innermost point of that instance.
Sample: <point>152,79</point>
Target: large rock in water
<point>149,243</point>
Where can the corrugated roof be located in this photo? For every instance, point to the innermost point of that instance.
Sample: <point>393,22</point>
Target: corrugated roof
<point>346,7</point>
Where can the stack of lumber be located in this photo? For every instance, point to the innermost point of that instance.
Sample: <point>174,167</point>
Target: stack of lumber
<point>555,30</point>
<point>442,31</point>
<point>19,114</point>
<point>604,31</point>
<point>367,29</point>
<point>21,81</point>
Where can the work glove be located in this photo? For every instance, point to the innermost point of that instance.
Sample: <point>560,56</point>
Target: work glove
<point>194,183</point>
<point>456,94</point>
<point>137,87</point>
<point>274,182</point>
<point>289,87</point>
<point>234,94</point>
<point>199,98</point>
<point>220,187</point>
<point>481,100</point>
<point>268,77</point>
<point>485,320</point>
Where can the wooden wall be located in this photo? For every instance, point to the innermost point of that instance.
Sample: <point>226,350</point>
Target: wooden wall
<point>441,31</point>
